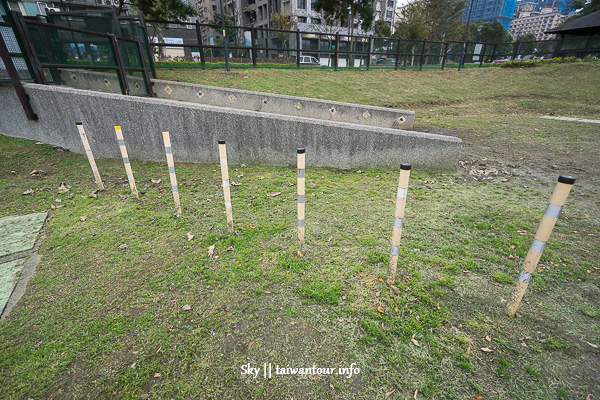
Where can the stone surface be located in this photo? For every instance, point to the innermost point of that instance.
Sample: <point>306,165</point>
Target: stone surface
<point>252,137</point>
<point>18,234</point>
<point>285,105</point>
<point>9,275</point>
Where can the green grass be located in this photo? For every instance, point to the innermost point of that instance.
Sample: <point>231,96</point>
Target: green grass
<point>100,320</point>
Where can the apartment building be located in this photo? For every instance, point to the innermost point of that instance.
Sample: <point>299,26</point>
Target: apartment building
<point>536,23</point>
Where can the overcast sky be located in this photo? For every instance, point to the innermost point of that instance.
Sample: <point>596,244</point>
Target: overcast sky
<point>401,3</point>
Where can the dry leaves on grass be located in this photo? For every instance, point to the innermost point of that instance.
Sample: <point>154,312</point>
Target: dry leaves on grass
<point>380,310</point>
<point>62,188</point>
<point>388,394</point>
<point>415,342</point>
<point>82,218</point>
<point>190,236</point>
<point>273,194</point>
<point>37,172</point>
<point>486,349</point>
<point>156,181</point>
<point>28,192</point>
<point>211,251</point>
<point>186,307</point>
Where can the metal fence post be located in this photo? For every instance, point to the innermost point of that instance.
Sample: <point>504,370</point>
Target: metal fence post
<point>337,49</point>
<point>397,55</point>
<point>494,53</point>
<point>422,55</point>
<point>445,55</point>
<point>253,40</point>
<point>200,45</point>
<point>147,80</point>
<point>482,55</point>
<point>298,48</point>
<point>150,53</point>
<point>120,68</point>
<point>370,51</point>
<point>515,49</point>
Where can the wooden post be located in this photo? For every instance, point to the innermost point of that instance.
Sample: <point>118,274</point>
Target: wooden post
<point>557,201</point>
<point>90,156</point>
<point>398,220</point>
<point>200,44</point>
<point>172,177</point>
<point>301,192</point>
<point>126,162</point>
<point>226,188</point>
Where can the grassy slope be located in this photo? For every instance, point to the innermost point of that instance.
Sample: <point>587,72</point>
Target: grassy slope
<point>94,310</point>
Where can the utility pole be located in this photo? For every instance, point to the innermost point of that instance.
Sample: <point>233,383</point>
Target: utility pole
<point>224,38</point>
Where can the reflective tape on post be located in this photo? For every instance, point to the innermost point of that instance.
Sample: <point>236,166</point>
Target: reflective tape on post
<point>301,165</point>
<point>398,219</point>
<point>226,186</point>
<point>172,176</point>
<point>90,156</point>
<point>557,201</point>
<point>125,157</point>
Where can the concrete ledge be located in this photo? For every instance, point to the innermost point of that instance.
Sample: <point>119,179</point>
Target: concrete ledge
<point>285,105</point>
<point>252,137</point>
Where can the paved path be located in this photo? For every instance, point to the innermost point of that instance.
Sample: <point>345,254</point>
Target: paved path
<point>17,241</point>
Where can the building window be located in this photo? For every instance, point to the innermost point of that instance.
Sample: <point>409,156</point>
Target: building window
<point>390,3</point>
<point>302,4</point>
<point>389,14</point>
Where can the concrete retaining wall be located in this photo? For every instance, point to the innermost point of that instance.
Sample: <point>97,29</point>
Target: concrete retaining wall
<point>252,137</point>
<point>285,105</point>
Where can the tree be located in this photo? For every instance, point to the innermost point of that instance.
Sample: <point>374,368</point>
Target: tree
<point>382,29</point>
<point>230,32</point>
<point>585,7</point>
<point>165,10</point>
<point>491,32</point>
<point>338,10</point>
<point>433,20</point>
<point>283,22</point>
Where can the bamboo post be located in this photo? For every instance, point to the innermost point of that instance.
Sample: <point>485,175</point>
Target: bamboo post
<point>90,156</point>
<point>172,177</point>
<point>398,219</point>
<point>557,201</point>
<point>301,192</point>
<point>126,162</point>
<point>226,188</point>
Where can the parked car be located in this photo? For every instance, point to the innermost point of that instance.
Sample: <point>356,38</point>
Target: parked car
<point>309,60</point>
<point>385,61</point>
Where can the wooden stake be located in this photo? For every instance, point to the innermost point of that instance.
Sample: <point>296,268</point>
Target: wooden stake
<point>557,201</point>
<point>126,161</point>
<point>226,187</point>
<point>172,177</point>
<point>301,192</point>
<point>398,220</point>
<point>90,156</point>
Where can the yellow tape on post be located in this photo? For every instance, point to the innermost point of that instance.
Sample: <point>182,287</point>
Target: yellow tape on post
<point>557,201</point>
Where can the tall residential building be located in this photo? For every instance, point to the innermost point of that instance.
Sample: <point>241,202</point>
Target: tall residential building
<point>536,23</point>
<point>492,10</point>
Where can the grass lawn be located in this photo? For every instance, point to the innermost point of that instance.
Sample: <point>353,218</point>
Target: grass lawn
<point>103,317</point>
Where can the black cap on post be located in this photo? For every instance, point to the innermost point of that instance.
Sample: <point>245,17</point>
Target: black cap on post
<point>221,142</point>
<point>568,179</point>
<point>405,166</point>
<point>78,123</point>
<point>300,150</point>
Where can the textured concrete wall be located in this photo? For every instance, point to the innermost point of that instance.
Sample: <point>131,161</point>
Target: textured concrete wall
<point>285,105</point>
<point>252,137</point>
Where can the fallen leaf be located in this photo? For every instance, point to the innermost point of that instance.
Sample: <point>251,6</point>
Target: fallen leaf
<point>588,397</point>
<point>380,280</point>
<point>37,172</point>
<point>83,218</point>
<point>260,178</point>
<point>211,251</point>
<point>132,366</point>
<point>593,345</point>
<point>388,394</point>
<point>488,338</point>
<point>331,386</point>
<point>230,248</point>
<point>123,246</point>
<point>591,234</point>
<point>250,345</point>
<point>340,319</point>
<point>157,374</point>
<point>396,309</point>
<point>63,189</point>
<point>29,191</point>
<point>299,254</point>
<point>186,307</point>
<point>235,184</point>
<point>512,247</point>
<point>477,397</point>
<point>468,350</point>
<point>415,342</point>
<point>415,395</point>
<point>58,200</point>
<point>243,165</point>
<point>486,349</point>
<point>190,236</point>
<point>395,289</point>
<point>273,194</point>
<point>156,181</point>
<point>380,310</point>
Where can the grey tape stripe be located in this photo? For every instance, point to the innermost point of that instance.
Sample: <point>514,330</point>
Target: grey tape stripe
<point>227,204</point>
<point>553,211</point>
<point>394,250</point>
<point>401,193</point>
<point>524,277</point>
<point>94,168</point>
<point>130,178</point>
<point>126,160</point>
<point>174,189</point>
<point>171,170</point>
<point>398,222</point>
<point>537,246</point>
<point>225,184</point>
<point>300,223</point>
<point>301,173</point>
<point>168,150</point>
<point>121,142</point>
<point>300,198</point>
